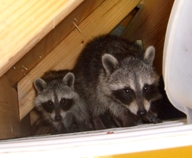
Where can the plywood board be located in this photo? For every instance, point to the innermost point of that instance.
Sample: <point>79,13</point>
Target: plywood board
<point>149,25</point>
<point>101,21</point>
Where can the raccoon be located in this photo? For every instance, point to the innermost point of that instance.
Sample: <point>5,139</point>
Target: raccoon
<point>59,103</point>
<point>118,81</point>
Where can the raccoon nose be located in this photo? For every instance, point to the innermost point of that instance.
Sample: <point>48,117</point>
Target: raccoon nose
<point>58,118</point>
<point>141,112</point>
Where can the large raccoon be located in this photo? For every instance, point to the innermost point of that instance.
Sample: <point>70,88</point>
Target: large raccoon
<point>116,78</point>
<point>60,105</point>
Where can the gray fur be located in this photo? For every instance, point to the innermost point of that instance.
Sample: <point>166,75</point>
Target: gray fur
<point>55,86</point>
<point>109,66</point>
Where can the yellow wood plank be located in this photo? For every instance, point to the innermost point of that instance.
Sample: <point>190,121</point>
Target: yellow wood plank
<point>181,152</point>
<point>5,4</point>
<point>24,23</point>
<point>101,21</point>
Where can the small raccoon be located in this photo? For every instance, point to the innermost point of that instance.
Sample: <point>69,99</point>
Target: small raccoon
<point>60,105</point>
<point>117,79</point>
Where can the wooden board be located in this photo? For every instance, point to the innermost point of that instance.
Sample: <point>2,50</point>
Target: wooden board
<point>149,25</point>
<point>41,49</point>
<point>24,23</point>
<point>101,21</point>
<point>9,111</point>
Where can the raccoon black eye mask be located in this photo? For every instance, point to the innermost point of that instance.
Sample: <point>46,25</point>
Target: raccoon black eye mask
<point>125,95</point>
<point>48,106</point>
<point>65,105</point>
<point>149,91</point>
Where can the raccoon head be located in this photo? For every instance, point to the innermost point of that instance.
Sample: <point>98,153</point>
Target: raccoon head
<point>55,98</point>
<point>131,82</point>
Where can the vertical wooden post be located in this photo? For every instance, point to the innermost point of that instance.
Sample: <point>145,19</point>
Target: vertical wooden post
<point>9,111</point>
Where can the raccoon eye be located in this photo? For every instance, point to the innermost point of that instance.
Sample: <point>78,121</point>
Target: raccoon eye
<point>62,101</point>
<point>128,91</point>
<point>146,88</point>
<point>50,102</point>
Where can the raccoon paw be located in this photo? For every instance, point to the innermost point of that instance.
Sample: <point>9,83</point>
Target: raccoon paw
<point>154,120</point>
<point>55,131</point>
<point>98,124</point>
<point>151,118</point>
<point>73,128</point>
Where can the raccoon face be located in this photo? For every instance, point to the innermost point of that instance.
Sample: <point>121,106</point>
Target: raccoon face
<point>54,99</point>
<point>57,109</point>
<point>133,82</point>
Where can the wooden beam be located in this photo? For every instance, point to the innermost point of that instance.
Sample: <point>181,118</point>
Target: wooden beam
<point>101,21</point>
<point>128,18</point>
<point>24,23</point>
<point>25,126</point>
<point>149,25</point>
<point>40,50</point>
<point>9,111</point>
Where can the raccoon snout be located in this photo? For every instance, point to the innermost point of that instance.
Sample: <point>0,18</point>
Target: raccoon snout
<point>58,118</point>
<point>142,112</point>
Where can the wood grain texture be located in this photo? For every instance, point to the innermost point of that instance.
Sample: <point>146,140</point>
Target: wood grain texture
<point>24,23</point>
<point>149,25</point>
<point>41,49</point>
<point>9,111</point>
<point>101,21</point>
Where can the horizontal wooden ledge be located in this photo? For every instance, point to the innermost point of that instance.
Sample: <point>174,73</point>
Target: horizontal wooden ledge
<point>24,23</point>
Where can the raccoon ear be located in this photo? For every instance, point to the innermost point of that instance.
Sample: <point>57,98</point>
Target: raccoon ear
<point>149,55</point>
<point>69,79</point>
<point>40,84</point>
<point>110,63</point>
